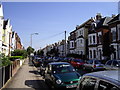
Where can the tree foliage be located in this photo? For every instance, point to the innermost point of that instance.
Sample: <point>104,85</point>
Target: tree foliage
<point>53,52</point>
<point>30,50</point>
<point>107,49</point>
<point>40,52</point>
<point>4,61</point>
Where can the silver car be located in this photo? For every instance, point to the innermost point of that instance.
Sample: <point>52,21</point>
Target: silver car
<point>102,80</point>
<point>93,65</point>
<point>112,64</point>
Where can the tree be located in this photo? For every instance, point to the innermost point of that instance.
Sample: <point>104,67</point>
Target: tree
<point>35,53</point>
<point>54,52</point>
<point>40,52</point>
<point>107,49</point>
<point>30,50</point>
<point>4,61</point>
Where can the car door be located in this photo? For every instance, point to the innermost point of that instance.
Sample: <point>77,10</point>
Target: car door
<point>105,85</point>
<point>108,65</point>
<point>86,65</point>
<point>48,73</point>
<point>87,83</point>
<point>91,64</point>
<point>72,63</point>
<point>115,65</point>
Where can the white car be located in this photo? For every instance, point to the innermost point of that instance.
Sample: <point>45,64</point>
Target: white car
<point>112,64</point>
<point>93,65</point>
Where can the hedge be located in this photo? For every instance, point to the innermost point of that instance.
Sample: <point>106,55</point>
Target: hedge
<point>12,58</point>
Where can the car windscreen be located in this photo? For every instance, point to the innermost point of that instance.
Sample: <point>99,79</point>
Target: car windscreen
<point>119,62</point>
<point>62,68</point>
<point>80,61</point>
<point>97,62</point>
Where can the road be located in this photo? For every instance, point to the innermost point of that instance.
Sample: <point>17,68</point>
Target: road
<point>28,77</point>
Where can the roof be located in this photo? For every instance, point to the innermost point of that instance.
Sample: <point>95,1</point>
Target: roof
<point>111,75</point>
<point>5,23</point>
<point>87,22</point>
<point>114,60</point>
<point>116,18</point>
<point>103,22</point>
<point>13,32</point>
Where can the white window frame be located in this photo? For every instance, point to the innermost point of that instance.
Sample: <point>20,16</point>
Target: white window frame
<point>113,29</point>
<point>118,29</point>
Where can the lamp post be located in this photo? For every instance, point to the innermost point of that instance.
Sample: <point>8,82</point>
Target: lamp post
<point>65,44</point>
<point>31,38</point>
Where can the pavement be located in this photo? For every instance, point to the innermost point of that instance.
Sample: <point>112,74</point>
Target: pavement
<point>27,77</point>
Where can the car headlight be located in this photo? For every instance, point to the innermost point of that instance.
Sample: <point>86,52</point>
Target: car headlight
<point>80,77</point>
<point>58,81</point>
<point>78,63</point>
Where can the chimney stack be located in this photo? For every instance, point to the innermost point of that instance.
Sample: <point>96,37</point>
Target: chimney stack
<point>98,16</point>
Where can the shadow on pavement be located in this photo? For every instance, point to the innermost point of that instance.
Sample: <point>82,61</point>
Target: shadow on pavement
<point>34,72</point>
<point>36,84</point>
<point>31,65</point>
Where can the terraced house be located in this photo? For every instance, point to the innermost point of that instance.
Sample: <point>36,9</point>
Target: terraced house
<point>72,44</point>
<point>5,34</point>
<point>114,26</point>
<point>9,40</point>
<point>82,38</point>
<point>98,38</point>
<point>1,26</point>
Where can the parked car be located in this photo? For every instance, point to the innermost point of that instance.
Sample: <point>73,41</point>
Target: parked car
<point>112,64</point>
<point>102,80</point>
<point>41,69</point>
<point>61,74</point>
<point>65,59</point>
<point>56,59</point>
<point>93,65</point>
<point>37,61</point>
<point>78,63</point>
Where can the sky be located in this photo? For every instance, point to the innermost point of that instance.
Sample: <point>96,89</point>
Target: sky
<point>51,19</point>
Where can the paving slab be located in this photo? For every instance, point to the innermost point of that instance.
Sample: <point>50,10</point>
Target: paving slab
<point>27,77</point>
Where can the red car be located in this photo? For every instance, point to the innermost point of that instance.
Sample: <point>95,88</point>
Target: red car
<point>78,63</point>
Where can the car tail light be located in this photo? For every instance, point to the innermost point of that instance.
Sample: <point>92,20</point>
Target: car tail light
<point>94,66</point>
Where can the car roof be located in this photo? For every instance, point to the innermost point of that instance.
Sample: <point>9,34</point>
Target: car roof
<point>56,63</point>
<point>111,75</point>
<point>94,60</point>
<point>113,60</point>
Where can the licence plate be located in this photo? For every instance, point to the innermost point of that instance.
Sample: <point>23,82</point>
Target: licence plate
<point>71,86</point>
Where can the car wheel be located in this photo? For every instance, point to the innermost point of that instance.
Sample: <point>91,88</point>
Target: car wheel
<point>46,81</point>
<point>92,69</point>
<point>84,68</point>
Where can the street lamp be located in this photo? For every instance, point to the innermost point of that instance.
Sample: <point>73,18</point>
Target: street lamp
<point>31,37</point>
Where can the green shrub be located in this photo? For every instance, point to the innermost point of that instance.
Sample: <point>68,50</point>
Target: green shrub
<point>4,61</point>
<point>12,58</point>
